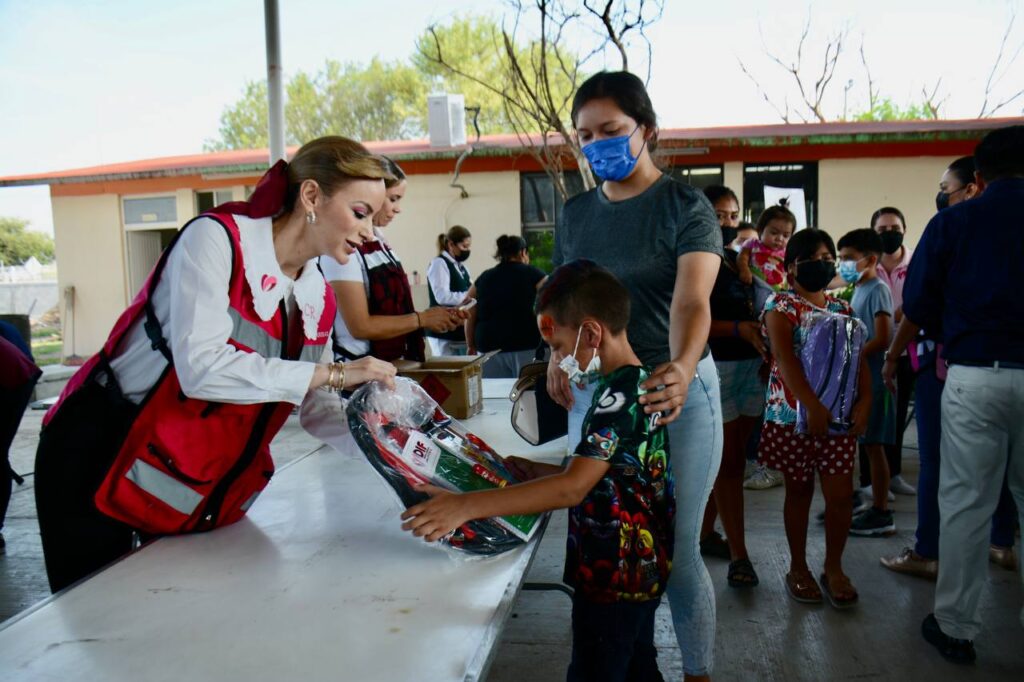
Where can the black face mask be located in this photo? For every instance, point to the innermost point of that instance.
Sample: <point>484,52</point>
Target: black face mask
<point>891,241</point>
<point>941,200</point>
<point>814,275</point>
<point>729,235</point>
<point>462,256</point>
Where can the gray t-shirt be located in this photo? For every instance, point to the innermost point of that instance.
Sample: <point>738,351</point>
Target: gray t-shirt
<point>870,299</point>
<point>639,240</point>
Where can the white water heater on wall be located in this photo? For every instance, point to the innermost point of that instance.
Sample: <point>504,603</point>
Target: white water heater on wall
<point>446,116</point>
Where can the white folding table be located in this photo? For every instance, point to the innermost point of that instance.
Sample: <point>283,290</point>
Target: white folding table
<point>319,582</point>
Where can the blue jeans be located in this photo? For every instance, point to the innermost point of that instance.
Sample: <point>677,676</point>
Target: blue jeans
<point>695,441</point>
<point>928,414</point>
<point>613,642</point>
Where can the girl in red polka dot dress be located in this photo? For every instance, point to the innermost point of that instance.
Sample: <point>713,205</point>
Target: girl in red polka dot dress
<point>810,266</point>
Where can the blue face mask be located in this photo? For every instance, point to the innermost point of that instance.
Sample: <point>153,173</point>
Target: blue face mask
<point>611,159</point>
<point>848,271</point>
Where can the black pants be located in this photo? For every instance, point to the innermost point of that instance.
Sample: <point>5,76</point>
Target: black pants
<point>12,406</point>
<point>905,380</point>
<point>75,451</point>
<point>613,642</point>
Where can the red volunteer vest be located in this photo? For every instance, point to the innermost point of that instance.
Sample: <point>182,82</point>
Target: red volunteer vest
<point>191,465</point>
<point>389,294</point>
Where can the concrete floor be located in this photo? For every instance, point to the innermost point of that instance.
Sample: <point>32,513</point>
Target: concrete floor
<point>761,634</point>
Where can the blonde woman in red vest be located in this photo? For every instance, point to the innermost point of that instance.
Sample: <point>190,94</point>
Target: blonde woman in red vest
<point>375,310</point>
<point>167,429</point>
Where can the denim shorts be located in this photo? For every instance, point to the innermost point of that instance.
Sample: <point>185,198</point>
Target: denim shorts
<point>743,392</point>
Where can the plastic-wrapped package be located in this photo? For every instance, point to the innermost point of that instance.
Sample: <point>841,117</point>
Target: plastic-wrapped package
<point>830,356</point>
<point>409,440</point>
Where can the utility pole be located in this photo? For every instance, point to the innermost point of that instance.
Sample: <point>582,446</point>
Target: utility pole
<point>275,91</point>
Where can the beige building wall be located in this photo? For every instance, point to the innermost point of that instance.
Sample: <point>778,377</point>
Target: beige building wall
<point>89,244</point>
<point>91,251</point>
<point>850,190</point>
<point>92,256</point>
<point>732,177</point>
<point>430,207</point>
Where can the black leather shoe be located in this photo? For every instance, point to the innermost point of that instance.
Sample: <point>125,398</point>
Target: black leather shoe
<point>954,650</point>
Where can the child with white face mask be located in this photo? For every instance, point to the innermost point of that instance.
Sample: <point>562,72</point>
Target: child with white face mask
<point>571,366</point>
<point>859,254</point>
<point>618,484</point>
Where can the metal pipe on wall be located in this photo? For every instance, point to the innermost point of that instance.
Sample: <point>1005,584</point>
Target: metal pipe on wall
<point>275,90</point>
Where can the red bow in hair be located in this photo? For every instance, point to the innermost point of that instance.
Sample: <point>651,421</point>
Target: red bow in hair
<point>268,197</point>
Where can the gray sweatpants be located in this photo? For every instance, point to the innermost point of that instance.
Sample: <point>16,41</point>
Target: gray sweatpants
<point>982,437</point>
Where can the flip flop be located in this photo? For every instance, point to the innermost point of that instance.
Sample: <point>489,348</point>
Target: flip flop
<point>802,588</point>
<point>742,574</point>
<point>837,602</point>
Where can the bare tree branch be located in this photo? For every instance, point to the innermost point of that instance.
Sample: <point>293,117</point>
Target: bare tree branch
<point>606,19</point>
<point>541,75</point>
<point>993,80</point>
<point>783,115</point>
<point>930,103</point>
<point>872,90</point>
<point>616,22</point>
<point>812,94</point>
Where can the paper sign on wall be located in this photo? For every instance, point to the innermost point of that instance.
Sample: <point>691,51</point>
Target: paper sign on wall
<point>790,197</point>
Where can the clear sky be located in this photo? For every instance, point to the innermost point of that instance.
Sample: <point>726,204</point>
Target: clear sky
<point>86,82</point>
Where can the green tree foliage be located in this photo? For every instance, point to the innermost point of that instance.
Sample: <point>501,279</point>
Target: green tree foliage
<point>887,110</point>
<point>18,244</point>
<point>470,44</point>
<point>376,101</point>
<point>379,101</point>
<point>382,100</point>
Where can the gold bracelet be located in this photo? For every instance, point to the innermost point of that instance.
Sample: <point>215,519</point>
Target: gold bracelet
<point>341,376</point>
<point>419,322</point>
<point>331,371</point>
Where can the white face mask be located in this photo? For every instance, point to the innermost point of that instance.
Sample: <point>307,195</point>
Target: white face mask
<point>571,366</point>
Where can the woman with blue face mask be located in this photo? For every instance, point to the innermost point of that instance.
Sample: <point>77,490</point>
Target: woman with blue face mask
<point>661,238</point>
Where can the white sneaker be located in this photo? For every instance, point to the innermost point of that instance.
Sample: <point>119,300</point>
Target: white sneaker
<point>749,469</point>
<point>762,479</point>
<point>866,492</point>
<point>900,487</point>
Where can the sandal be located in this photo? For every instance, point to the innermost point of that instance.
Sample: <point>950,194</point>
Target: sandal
<point>841,594</point>
<point>802,588</point>
<point>714,545</point>
<point>742,574</point>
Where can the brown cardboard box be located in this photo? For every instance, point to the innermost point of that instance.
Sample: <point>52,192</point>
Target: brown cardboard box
<point>454,381</point>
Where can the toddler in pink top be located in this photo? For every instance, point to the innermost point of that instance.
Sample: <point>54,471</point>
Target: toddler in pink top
<point>762,257</point>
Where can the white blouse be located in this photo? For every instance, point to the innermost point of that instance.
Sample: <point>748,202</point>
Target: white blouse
<point>441,283</point>
<point>352,271</point>
<point>191,302</point>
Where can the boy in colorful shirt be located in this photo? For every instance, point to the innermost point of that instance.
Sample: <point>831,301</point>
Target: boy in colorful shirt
<point>618,484</point>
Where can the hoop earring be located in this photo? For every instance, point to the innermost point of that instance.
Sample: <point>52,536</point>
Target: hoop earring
<point>311,217</point>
